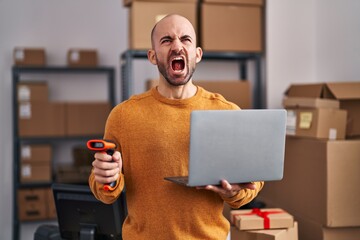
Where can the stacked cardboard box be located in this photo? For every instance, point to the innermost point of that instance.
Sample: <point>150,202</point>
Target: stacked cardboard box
<point>266,223</point>
<point>35,163</point>
<point>36,204</point>
<point>236,91</point>
<point>145,13</point>
<point>320,174</point>
<point>230,25</point>
<point>38,117</point>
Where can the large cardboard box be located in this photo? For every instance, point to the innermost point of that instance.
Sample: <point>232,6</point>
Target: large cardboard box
<point>326,123</point>
<point>32,204</point>
<point>145,14</point>
<point>77,57</point>
<point>320,182</point>
<point>268,234</point>
<point>29,56</point>
<point>86,118</point>
<point>232,26</point>
<point>347,93</point>
<point>41,119</point>
<point>267,218</point>
<point>31,153</point>
<point>32,91</point>
<point>310,230</point>
<point>236,91</point>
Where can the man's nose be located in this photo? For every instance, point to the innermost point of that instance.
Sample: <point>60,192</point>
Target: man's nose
<point>177,46</point>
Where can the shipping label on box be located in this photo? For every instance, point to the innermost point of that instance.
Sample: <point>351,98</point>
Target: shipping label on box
<point>270,218</point>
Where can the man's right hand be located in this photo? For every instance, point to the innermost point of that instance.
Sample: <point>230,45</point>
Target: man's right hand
<point>106,168</point>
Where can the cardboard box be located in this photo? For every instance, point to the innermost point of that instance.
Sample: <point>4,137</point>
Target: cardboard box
<point>320,182</point>
<point>268,218</point>
<point>32,91</point>
<point>238,92</point>
<point>144,15</point>
<point>72,174</point>
<point>41,119</point>
<point>128,3</point>
<point>35,153</point>
<point>84,118</point>
<point>347,93</point>
<point>269,234</point>
<point>82,156</point>
<point>232,26</point>
<point>325,123</point>
<point>29,56</point>
<point>82,57</point>
<point>32,204</point>
<point>35,172</point>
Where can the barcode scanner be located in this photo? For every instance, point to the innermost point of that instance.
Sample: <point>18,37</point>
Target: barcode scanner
<point>103,146</point>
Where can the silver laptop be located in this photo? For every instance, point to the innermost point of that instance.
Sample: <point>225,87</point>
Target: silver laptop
<point>236,145</point>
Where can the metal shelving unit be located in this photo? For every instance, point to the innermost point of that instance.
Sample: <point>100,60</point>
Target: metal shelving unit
<point>17,141</point>
<point>129,56</point>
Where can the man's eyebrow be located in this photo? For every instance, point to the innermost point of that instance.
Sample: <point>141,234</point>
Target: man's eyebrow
<point>186,36</point>
<point>167,37</point>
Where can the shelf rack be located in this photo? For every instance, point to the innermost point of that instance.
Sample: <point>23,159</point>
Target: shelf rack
<point>16,78</point>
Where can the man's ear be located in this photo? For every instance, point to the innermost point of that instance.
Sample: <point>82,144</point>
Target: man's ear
<point>151,56</point>
<point>199,54</point>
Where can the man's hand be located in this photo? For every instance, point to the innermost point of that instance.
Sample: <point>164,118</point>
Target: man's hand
<point>228,190</point>
<point>107,168</point>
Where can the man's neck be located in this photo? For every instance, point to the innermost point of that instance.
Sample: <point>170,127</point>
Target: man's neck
<point>177,92</point>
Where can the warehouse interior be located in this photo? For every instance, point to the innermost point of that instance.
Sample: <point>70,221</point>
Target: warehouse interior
<point>302,42</point>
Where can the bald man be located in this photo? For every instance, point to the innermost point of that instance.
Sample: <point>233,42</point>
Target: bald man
<point>151,131</point>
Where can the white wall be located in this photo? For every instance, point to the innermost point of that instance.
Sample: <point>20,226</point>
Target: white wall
<point>307,41</point>
<point>311,41</point>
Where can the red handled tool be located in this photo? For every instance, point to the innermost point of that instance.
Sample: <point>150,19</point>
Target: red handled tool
<point>103,146</point>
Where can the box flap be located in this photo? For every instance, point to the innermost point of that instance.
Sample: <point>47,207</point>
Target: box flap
<point>306,90</point>
<point>295,102</point>
<point>343,90</point>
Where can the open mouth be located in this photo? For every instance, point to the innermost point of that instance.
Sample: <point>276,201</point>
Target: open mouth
<point>178,64</point>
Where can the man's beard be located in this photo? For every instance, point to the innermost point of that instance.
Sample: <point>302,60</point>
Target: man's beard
<point>171,81</point>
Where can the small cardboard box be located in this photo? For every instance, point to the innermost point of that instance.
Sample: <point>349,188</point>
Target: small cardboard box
<point>68,173</point>
<point>347,93</point>
<point>35,153</point>
<point>32,91</point>
<point>326,123</point>
<point>35,172</point>
<point>29,56</point>
<point>82,57</point>
<point>41,119</point>
<point>232,26</point>
<point>323,171</point>
<point>32,204</point>
<point>83,118</point>
<point>268,218</point>
<point>145,14</point>
<point>268,234</point>
<point>236,91</point>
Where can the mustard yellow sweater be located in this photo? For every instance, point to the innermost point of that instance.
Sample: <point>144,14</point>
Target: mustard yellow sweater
<point>152,134</point>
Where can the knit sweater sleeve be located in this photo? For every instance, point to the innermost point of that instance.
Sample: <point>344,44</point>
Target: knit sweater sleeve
<point>244,196</point>
<point>97,189</point>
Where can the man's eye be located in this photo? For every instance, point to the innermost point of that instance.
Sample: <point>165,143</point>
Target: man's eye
<point>165,41</point>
